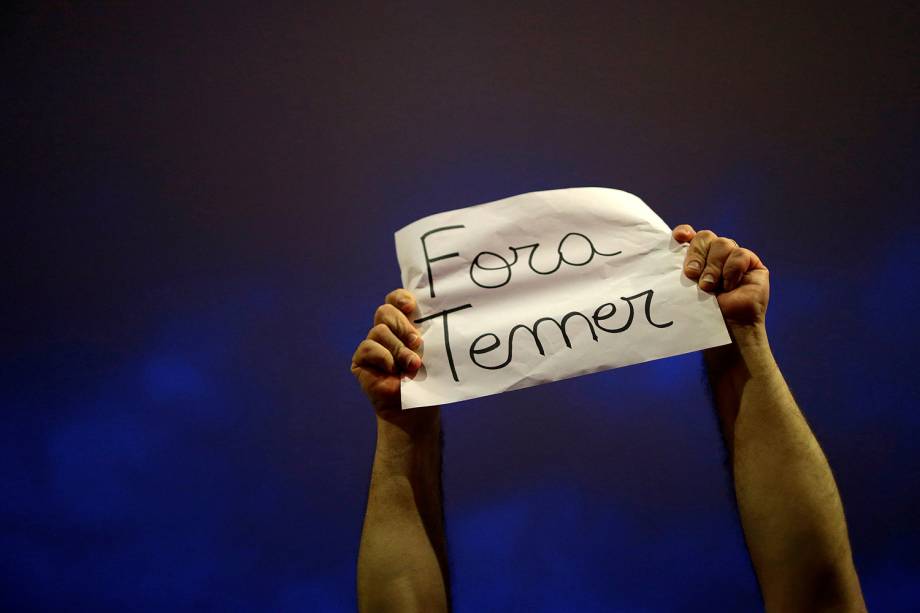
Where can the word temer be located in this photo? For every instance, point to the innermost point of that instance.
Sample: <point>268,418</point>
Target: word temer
<point>489,342</point>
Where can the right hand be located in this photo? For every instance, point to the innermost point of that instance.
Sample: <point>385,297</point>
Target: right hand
<point>388,353</point>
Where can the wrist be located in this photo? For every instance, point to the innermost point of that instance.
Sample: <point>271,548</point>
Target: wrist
<point>751,347</point>
<point>409,445</point>
<point>749,337</point>
<point>404,430</point>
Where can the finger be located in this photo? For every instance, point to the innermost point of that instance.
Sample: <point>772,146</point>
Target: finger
<point>373,355</point>
<point>739,262</point>
<point>719,250</point>
<point>402,299</point>
<point>379,388</point>
<point>403,357</point>
<point>696,255</point>
<point>397,321</point>
<point>683,233</point>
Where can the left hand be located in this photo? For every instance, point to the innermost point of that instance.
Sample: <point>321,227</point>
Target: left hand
<point>736,275</point>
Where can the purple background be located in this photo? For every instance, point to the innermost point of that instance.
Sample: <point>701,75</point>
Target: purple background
<point>199,202</point>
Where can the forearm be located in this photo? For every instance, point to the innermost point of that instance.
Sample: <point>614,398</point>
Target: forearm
<point>402,563</point>
<point>788,501</point>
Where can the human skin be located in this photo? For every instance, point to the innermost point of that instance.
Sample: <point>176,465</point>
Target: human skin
<point>402,560</point>
<point>788,501</point>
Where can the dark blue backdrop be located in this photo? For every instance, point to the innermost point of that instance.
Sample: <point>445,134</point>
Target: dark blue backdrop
<point>199,203</point>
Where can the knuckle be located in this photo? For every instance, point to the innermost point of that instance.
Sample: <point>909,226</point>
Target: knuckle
<point>732,264</point>
<point>362,352</point>
<point>741,256</point>
<point>724,243</point>
<point>396,349</point>
<point>699,246</point>
<point>403,327</point>
<point>387,314</point>
<point>383,311</point>
<point>368,349</point>
<point>706,235</point>
<point>380,330</point>
<point>395,296</point>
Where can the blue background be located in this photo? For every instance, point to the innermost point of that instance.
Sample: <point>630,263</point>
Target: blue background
<point>199,205</point>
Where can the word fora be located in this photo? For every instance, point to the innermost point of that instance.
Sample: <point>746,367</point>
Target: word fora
<point>505,265</point>
<point>601,314</point>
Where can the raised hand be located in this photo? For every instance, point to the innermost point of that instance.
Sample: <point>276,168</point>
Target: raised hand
<point>736,275</point>
<point>388,353</point>
<point>402,561</point>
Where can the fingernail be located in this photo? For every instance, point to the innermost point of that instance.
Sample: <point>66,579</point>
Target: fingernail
<point>401,302</point>
<point>414,340</point>
<point>693,266</point>
<point>413,362</point>
<point>708,279</point>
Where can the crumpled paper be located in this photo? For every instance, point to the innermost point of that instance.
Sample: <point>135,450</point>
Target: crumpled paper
<point>505,275</point>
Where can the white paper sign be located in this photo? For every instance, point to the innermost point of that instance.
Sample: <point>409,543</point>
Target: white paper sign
<point>546,286</point>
